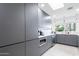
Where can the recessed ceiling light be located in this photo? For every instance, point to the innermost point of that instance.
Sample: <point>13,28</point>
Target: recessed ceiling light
<point>42,5</point>
<point>56,5</point>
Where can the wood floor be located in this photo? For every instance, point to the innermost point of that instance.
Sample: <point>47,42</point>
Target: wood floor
<point>62,50</point>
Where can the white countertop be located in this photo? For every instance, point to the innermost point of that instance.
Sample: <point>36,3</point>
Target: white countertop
<point>70,33</point>
<point>47,35</point>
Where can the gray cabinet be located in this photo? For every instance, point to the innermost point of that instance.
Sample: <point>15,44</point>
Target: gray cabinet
<point>13,50</point>
<point>78,41</point>
<point>46,45</point>
<point>67,39</point>
<point>32,48</point>
<point>31,23</point>
<point>19,23</point>
<point>31,16</point>
<point>49,41</point>
<point>72,40</point>
<point>44,21</point>
<point>12,28</point>
<point>60,38</point>
<point>54,39</point>
<point>43,47</point>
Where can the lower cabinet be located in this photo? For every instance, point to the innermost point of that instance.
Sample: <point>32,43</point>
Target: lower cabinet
<point>49,41</point>
<point>28,48</point>
<point>46,45</point>
<point>13,50</point>
<point>67,39</point>
<point>78,41</point>
<point>60,38</point>
<point>32,48</point>
<point>54,39</point>
<point>43,48</point>
<point>72,40</point>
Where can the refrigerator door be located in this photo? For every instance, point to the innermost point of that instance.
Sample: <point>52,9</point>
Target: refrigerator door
<point>31,16</point>
<point>12,27</point>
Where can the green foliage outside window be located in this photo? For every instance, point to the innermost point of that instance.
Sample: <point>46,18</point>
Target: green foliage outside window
<point>59,28</point>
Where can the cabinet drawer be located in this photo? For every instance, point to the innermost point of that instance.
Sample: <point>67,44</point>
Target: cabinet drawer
<point>67,39</point>
<point>46,45</point>
<point>43,48</point>
<point>13,50</point>
<point>60,38</point>
<point>72,40</point>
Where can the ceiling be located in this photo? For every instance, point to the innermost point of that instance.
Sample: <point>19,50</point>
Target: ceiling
<point>47,8</point>
<point>69,9</point>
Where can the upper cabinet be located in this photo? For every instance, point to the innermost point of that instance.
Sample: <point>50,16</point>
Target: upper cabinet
<point>44,19</point>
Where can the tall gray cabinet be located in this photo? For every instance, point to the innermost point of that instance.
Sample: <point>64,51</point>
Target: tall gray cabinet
<point>12,29</point>
<point>32,41</point>
<point>19,29</point>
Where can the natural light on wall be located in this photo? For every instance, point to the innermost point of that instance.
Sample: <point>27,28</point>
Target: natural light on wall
<point>42,5</point>
<point>55,6</point>
<point>77,9</point>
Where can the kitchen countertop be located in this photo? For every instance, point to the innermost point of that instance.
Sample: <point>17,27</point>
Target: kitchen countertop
<point>66,34</point>
<point>47,35</point>
<point>70,33</point>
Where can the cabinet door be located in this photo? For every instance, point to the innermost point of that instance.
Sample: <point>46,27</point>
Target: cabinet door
<point>67,39</point>
<point>54,39</point>
<point>13,50</point>
<point>46,45</point>
<point>49,41</point>
<point>12,28</point>
<point>78,41</point>
<point>31,16</point>
<point>72,40</point>
<point>43,48</point>
<point>32,48</point>
<point>60,38</point>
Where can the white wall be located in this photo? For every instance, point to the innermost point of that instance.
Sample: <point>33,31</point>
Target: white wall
<point>65,20</point>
